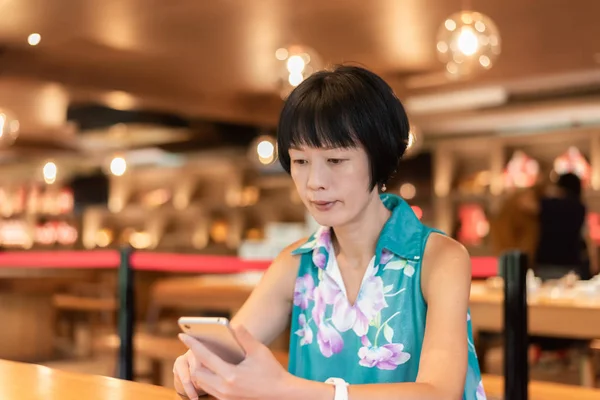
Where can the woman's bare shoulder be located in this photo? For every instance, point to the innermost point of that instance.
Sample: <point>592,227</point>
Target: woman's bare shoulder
<point>286,259</point>
<point>444,260</point>
<point>440,248</point>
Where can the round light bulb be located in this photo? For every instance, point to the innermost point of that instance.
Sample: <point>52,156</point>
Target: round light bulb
<point>467,41</point>
<point>50,171</point>
<point>265,149</point>
<point>118,166</point>
<point>295,79</point>
<point>295,64</point>
<point>34,39</point>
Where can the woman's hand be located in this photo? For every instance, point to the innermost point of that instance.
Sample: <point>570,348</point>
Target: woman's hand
<point>183,370</point>
<point>259,376</point>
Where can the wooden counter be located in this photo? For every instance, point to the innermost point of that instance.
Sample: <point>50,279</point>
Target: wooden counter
<point>572,318</point>
<point>494,387</point>
<point>228,293</point>
<point>32,382</point>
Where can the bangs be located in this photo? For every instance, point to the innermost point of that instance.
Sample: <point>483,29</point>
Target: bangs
<point>318,120</point>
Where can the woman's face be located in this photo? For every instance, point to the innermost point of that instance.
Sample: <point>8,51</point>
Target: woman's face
<point>332,183</point>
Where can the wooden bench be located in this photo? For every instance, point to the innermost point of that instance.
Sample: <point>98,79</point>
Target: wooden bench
<point>159,350</point>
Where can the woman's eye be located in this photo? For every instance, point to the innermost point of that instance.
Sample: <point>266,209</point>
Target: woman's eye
<point>299,162</point>
<point>336,160</point>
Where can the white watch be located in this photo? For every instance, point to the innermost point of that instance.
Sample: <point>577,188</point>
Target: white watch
<point>341,388</point>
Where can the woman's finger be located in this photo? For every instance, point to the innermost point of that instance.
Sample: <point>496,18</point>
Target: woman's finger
<point>193,365</point>
<point>182,376</point>
<point>209,382</point>
<point>207,358</point>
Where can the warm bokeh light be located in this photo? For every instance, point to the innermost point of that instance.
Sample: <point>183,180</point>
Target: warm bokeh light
<point>104,237</point>
<point>9,128</point>
<point>263,150</point>
<point>50,172</point>
<point>219,231</point>
<point>118,166</point>
<point>140,240</point>
<point>120,100</point>
<point>467,42</point>
<point>298,62</point>
<point>418,211</point>
<point>408,191</point>
<point>34,39</point>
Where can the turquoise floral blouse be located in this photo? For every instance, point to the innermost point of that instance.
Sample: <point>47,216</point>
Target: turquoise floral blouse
<point>379,338</point>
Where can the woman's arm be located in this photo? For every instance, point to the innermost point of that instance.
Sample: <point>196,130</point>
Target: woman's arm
<point>445,282</point>
<point>265,315</point>
<point>266,312</point>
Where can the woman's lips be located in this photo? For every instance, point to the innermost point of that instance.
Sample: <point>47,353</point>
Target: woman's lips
<point>323,205</point>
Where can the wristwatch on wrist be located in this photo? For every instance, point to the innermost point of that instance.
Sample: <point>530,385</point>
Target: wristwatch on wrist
<point>341,388</point>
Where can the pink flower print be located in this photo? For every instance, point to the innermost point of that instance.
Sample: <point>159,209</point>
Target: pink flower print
<point>304,332</point>
<point>365,341</point>
<point>322,247</point>
<point>319,258</point>
<point>386,256</point>
<point>303,291</point>
<point>330,290</point>
<point>370,301</point>
<point>386,357</point>
<point>324,237</point>
<point>318,311</point>
<point>480,394</point>
<point>330,341</point>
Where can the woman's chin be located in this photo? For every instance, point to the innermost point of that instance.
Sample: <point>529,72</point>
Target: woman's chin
<point>331,219</point>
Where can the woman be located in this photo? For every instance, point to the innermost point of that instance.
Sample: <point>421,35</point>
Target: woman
<point>378,301</point>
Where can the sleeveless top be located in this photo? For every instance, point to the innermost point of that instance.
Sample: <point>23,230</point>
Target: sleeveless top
<point>379,338</point>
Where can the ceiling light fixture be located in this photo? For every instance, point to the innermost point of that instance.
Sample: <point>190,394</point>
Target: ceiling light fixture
<point>468,42</point>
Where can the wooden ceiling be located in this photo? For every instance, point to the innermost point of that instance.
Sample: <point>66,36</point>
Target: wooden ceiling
<point>215,58</point>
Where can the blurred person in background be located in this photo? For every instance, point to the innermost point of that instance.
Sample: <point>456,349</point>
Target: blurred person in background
<point>378,301</point>
<point>563,232</point>
<point>563,247</point>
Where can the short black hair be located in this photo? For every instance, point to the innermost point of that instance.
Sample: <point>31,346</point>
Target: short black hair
<point>570,183</point>
<point>346,107</point>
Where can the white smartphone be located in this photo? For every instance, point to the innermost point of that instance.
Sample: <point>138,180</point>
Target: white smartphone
<point>216,334</point>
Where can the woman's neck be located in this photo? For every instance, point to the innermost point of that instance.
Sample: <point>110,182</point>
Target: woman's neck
<point>355,242</point>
